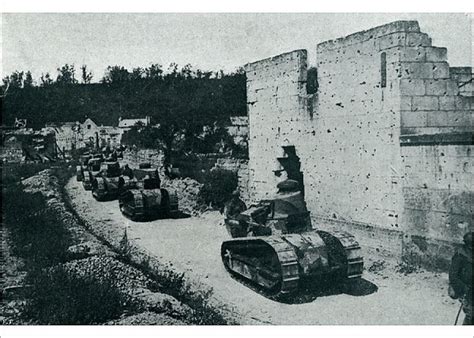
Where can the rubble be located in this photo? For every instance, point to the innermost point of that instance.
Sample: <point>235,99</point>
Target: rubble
<point>43,182</point>
<point>88,248</point>
<point>188,191</point>
<point>146,318</point>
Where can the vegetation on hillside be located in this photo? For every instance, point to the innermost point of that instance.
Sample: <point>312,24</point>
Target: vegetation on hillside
<point>180,99</point>
<point>188,108</point>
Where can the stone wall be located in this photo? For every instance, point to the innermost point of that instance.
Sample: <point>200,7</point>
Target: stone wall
<point>438,198</point>
<point>134,157</point>
<point>278,115</point>
<point>381,92</point>
<point>240,167</point>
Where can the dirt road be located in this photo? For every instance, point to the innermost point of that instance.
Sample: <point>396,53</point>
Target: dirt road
<point>192,245</point>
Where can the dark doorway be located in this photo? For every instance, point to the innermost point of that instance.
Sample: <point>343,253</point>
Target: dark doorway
<point>292,165</point>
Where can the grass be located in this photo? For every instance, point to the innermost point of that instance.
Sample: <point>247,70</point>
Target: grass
<point>36,232</point>
<point>175,284</point>
<point>64,298</point>
<point>38,235</point>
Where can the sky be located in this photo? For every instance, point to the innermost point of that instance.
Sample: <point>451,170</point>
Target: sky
<point>41,42</point>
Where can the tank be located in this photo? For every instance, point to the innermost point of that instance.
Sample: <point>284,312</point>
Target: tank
<point>143,198</point>
<point>92,170</point>
<point>106,184</point>
<point>83,159</point>
<point>275,247</point>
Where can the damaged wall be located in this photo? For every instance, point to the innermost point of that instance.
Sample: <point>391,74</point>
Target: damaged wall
<point>378,91</point>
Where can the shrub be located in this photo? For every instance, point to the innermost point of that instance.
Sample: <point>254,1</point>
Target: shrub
<point>218,187</point>
<point>59,296</point>
<point>203,313</point>
<point>125,249</point>
<point>37,233</point>
<point>14,172</point>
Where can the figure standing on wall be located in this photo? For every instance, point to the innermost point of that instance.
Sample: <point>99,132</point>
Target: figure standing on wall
<point>460,277</point>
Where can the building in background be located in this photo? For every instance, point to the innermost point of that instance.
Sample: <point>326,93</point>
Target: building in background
<point>127,124</point>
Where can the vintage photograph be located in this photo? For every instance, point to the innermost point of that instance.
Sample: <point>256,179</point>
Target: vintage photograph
<point>237,169</point>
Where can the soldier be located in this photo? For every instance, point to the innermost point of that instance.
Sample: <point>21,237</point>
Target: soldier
<point>232,210</point>
<point>460,277</point>
<point>235,206</point>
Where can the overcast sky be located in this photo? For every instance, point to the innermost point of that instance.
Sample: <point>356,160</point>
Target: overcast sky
<point>43,42</point>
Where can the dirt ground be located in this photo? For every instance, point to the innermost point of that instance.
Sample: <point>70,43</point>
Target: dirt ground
<point>192,245</point>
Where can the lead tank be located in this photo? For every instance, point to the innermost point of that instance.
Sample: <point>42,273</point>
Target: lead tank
<point>144,199</point>
<point>275,246</point>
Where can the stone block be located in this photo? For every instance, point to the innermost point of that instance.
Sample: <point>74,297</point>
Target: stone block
<point>415,87</point>
<point>392,40</point>
<point>412,54</point>
<point>436,87</point>
<point>447,102</point>
<point>462,103</point>
<point>425,103</point>
<point>416,70</point>
<point>440,70</point>
<point>436,54</point>
<point>405,103</point>
<point>452,87</point>
<point>418,40</point>
<point>413,119</point>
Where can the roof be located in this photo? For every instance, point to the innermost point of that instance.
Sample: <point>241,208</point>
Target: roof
<point>239,120</point>
<point>88,121</point>
<point>126,123</point>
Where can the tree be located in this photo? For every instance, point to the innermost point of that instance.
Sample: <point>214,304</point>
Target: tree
<point>172,70</point>
<point>46,80</point>
<point>28,82</point>
<point>154,72</point>
<point>66,75</point>
<point>14,81</point>
<point>137,74</point>
<point>116,74</point>
<point>180,100</point>
<point>86,75</point>
<point>187,71</point>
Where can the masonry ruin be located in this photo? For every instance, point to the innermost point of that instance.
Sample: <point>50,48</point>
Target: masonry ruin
<point>384,145</point>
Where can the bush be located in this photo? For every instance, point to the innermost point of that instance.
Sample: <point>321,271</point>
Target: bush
<point>37,234</point>
<point>218,187</point>
<point>14,172</point>
<point>59,296</point>
<point>203,313</point>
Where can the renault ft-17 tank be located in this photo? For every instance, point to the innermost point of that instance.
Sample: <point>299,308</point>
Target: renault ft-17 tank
<point>91,171</point>
<point>144,199</point>
<point>276,248</point>
<point>106,184</point>
<point>83,160</point>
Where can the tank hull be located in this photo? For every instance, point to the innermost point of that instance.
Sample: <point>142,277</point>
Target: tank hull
<point>105,189</point>
<point>79,173</point>
<point>146,205</point>
<point>88,178</point>
<point>281,264</point>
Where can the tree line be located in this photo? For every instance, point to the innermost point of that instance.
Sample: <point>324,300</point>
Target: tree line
<point>186,95</point>
<point>182,101</point>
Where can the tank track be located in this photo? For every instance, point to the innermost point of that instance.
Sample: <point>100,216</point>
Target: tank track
<point>354,260</point>
<point>348,257</point>
<point>288,275</point>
